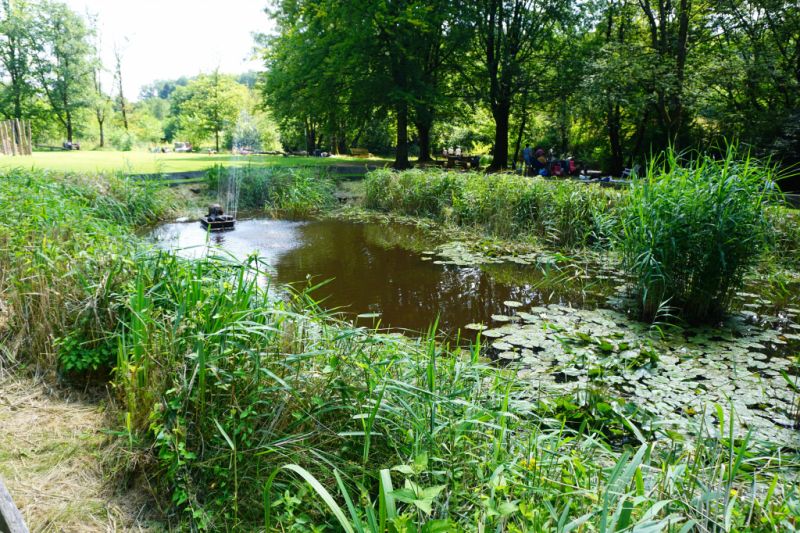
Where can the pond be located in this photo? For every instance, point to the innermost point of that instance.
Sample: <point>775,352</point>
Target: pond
<point>556,319</point>
<point>386,271</point>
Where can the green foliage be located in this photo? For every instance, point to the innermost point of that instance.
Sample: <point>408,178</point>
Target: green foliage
<point>560,212</point>
<point>63,257</point>
<point>247,412</point>
<point>693,230</point>
<point>207,106</point>
<point>293,192</point>
<point>77,355</point>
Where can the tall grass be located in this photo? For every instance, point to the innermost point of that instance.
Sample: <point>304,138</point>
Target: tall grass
<point>63,248</point>
<point>251,413</point>
<point>273,414</point>
<point>561,213</point>
<point>293,192</point>
<point>693,229</point>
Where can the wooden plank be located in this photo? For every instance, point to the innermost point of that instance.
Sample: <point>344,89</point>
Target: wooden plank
<point>30,138</point>
<point>4,135</point>
<point>10,518</point>
<point>12,138</point>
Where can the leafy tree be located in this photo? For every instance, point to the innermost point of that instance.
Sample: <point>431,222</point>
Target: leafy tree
<point>509,34</point>
<point>62,61</point>
<point>208,105</point>
<point>15,57</point>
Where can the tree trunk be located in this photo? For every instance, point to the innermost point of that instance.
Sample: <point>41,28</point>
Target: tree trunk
<point>523,123</point>
<point>500,152</point>
<point>69,126</point>
<point>216,140</point>
<point>102,132</point>
<point>615,139</point>
<point>311,138</point>
<point>401,153</point>
<point>424,131</point>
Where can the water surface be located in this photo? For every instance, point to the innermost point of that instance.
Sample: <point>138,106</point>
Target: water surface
<point>371,268</point>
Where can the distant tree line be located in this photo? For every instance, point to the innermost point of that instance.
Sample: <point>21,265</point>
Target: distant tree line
<point>51,73</point>
<point>610,81</point>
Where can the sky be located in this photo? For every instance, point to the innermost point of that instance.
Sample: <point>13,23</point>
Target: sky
<point>167,39</point>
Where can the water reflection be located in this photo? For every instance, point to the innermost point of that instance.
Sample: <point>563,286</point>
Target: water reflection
<point>372,270</point>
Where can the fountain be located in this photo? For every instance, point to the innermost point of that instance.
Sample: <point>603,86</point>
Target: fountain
<point>216,219</point>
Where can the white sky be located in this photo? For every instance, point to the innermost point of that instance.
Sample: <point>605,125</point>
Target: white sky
<point>167,39</point>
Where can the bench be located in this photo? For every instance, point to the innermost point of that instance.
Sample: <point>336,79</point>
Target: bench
<point>360,152</point>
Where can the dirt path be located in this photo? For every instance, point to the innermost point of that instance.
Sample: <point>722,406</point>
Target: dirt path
<point>50,460</point>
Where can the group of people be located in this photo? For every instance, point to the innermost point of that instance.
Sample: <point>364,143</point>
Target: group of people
<point>537,163</point>
<point>451,152</point>
<point>69,145</point>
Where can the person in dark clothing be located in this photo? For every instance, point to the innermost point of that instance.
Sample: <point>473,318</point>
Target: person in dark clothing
<point>540,163</point>
<point>527,157</point>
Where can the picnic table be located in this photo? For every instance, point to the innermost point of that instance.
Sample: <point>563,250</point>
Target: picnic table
<point>463,160</point>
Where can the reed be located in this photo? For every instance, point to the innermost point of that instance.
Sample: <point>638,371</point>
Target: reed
<point>692,230</point>
<point>249,412</point>
<point>561,213</point>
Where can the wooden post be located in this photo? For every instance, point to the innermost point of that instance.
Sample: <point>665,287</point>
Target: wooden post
<point>16,136</point>
<point>4,138</point>
<point>30,139</point>
<point>10,518</point>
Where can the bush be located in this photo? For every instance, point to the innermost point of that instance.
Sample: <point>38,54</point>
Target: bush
<point>563,213</point>
<point>293,192</point>
<point>692,231</point>
<point>65,247</point>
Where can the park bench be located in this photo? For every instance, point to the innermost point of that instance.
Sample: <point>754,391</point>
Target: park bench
<point>360,152</point>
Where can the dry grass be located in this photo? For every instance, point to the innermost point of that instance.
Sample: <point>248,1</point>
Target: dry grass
<point>51,461</point>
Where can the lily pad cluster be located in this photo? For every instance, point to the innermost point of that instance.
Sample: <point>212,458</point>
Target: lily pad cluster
<point>463,254</point>
<point>678,375</point>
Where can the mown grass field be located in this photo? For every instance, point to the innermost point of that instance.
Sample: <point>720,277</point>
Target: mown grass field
<point>139,162</point>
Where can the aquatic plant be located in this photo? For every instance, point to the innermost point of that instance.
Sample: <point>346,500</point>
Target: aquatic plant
<point>692,229</point>
<point>561,213</point>
<point>293,192</point>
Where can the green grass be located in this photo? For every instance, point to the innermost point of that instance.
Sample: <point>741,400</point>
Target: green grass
<point>246,412</point>
<point>86,161</point>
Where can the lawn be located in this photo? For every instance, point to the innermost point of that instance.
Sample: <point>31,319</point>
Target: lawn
<point>149,163</point>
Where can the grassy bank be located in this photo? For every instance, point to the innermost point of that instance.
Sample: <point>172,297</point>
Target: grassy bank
<point>141,162</point>
<point>246,412</point>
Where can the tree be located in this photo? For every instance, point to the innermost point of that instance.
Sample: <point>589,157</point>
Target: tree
<point>63,61</point>
<point>208,106</point>
<point>509,33</point>
<point>15,50</point>
<point>120,94</point>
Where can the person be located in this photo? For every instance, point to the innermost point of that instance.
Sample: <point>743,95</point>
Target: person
<point>527,157</point>
<point>458,151</point>
<point>540,163</point>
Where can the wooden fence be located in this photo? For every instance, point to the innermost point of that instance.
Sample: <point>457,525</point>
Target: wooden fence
<point>16,137</point>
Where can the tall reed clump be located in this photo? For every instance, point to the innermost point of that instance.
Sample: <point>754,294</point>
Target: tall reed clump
<point>64,244</point>
<point>693,229</point>
<point>292,192</point>
<point>562,213</point>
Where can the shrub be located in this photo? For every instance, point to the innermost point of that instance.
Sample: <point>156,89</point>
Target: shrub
<point>692,231</point>
<point>293,192</point>
<point>563,213</point>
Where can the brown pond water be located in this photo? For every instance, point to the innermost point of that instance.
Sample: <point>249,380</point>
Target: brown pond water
<point>375,268</point>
